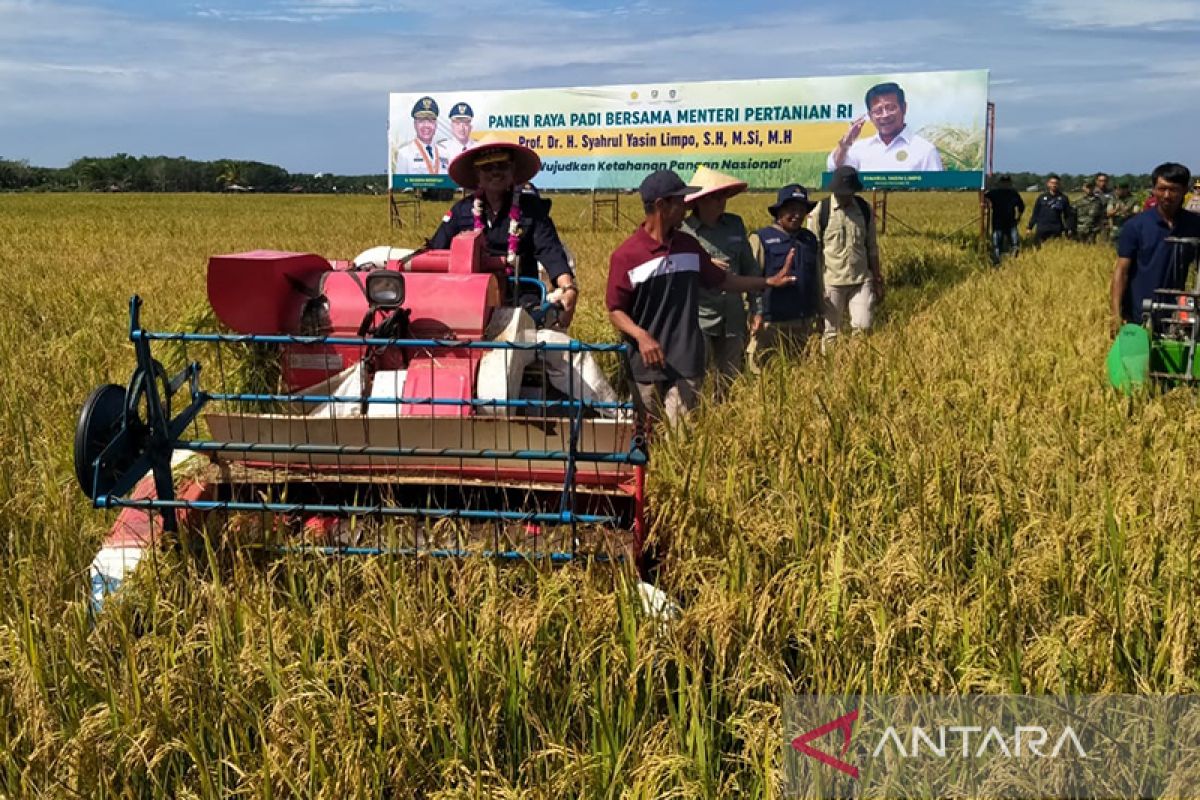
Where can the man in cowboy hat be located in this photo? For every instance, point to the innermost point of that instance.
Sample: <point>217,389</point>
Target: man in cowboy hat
<point>723,236</point>
<point>787,316</point>
<point>422,156</point>
<point>845,227</point>
<point>461,117</point>
<point>494,171</point>
<point>654,278</point>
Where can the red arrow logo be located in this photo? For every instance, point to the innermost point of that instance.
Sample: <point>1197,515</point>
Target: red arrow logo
<point>845,724</point>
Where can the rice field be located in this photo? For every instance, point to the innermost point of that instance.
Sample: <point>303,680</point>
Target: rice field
<point>955,504</point>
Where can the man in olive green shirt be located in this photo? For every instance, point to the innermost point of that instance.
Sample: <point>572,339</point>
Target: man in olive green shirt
<point>1122,206</point>
<point>845,227</point>
<point>723,235</point>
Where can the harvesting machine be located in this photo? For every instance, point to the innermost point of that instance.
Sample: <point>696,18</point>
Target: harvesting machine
<point>1163,348</point>
<point>416,405</point>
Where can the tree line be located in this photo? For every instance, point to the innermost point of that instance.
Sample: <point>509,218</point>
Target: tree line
<point>1072,182</point>
<point>125,173</point>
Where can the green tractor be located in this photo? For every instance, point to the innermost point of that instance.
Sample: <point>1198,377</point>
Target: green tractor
<point>1163,348</point>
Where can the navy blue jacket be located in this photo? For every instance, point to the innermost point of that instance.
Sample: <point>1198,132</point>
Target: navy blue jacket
<point>804,297</point>
<point>538,237</point>
<point>1051,213</point>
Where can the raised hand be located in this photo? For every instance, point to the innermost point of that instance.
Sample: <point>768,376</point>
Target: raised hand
<point>853,132</point>
<point>784,276</point>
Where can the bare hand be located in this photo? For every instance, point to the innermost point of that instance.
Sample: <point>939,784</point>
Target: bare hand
<point>652,354</point>
<point>852,133</point>
<point>1114,327</point>
<point>722,263</point>
<point>756,324</point>
<point>567,300</point>
<point>784,276</point>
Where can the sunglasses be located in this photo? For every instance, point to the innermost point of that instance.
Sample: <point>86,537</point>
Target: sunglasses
<point>495,166</point>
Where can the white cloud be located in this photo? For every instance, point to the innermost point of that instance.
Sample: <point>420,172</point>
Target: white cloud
<point>211,61</point>
<point>1102,14</point>
<point>65,64</point>
<point>302,11</point>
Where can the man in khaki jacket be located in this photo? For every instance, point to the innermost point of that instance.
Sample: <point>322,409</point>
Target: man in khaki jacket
<point>845,228</point>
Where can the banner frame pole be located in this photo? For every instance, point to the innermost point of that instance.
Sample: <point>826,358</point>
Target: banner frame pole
<point>990,153</point>
<point>879,209</point>
<point>612,203</point>
<point>396,213</point>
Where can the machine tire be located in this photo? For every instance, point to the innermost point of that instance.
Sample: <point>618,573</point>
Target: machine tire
<point>100,421</point>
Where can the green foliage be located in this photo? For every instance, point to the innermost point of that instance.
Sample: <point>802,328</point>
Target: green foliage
<point>126,173</point>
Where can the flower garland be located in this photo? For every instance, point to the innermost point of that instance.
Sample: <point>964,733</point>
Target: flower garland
<point>514,221</point>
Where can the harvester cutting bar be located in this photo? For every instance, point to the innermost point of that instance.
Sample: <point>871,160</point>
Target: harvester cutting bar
<point>503,555</point>
<point>631,457</point>
<point>420,401</point>
<point>573,346</point>
<point>347,510</point>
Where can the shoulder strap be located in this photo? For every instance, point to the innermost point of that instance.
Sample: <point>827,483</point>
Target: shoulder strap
<point>823,213</point>
<point>864,207</point>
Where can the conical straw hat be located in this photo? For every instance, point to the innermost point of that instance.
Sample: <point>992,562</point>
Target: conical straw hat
<point>710,181</point>
<point>526,162</point>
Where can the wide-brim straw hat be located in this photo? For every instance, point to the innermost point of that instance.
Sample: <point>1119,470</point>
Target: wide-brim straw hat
<point>709,181</point>
<point>526,162</point>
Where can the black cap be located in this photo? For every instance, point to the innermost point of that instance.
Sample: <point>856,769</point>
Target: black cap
<point>664,183</point>
<point>845,179</point>
<point>793,191</point>
<point>462,111</point>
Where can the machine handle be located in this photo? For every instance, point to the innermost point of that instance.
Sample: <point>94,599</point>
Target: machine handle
<point>541,287</point>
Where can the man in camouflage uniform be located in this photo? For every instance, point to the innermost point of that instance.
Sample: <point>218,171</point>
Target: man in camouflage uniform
<point>1104,190</point>
<point>1122,206</point>
<point>1090,211</point>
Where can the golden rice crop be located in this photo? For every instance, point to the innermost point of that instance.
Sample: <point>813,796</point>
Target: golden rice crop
<point>961,148</point>
<point>957,503</point>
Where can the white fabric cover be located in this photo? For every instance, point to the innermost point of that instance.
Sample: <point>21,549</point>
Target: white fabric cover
<point>500,371</point>
<point>380,255</point>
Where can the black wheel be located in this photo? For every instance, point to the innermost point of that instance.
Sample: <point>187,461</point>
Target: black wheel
<point>100,421</point>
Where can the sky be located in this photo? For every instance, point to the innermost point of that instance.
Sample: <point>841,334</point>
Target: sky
<point>1079,85</point>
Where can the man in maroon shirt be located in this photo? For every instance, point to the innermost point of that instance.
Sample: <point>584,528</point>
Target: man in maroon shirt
<point>654,279</point>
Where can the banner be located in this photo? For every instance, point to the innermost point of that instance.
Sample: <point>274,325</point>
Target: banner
<point>901,131</point>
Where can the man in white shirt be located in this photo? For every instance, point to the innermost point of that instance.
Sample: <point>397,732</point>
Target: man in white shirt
<point>461,117</point>
<point>422,156</point>
<point>893,148</point>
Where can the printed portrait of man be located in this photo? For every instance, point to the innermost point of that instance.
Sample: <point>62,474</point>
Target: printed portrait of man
<point>422,156</point>
<point>894,147</point>
<point>461,119</point>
